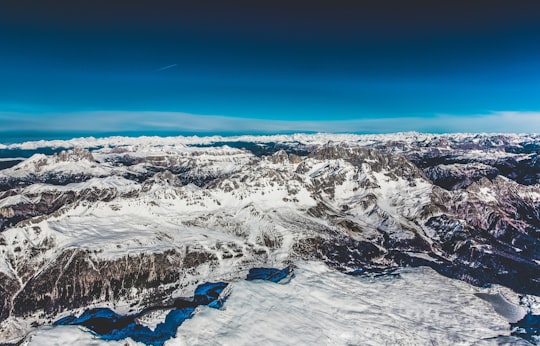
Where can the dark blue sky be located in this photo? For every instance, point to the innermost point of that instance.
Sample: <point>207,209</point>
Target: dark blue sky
<point>377,66</point>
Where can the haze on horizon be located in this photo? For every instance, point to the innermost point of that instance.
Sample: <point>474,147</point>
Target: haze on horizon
<point>267,67</point>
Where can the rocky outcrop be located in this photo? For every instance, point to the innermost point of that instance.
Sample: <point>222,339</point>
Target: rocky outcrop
<point>77,278</point>
<point>458,176</point>
<point>9,286</point>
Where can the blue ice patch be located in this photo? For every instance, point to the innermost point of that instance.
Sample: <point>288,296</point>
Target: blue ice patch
<point>108,325</point>
<point>268,274</point>
<point>528,328</point>
<point>209,294</point>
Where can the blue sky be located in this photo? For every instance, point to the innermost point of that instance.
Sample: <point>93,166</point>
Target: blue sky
<point>276,66</point>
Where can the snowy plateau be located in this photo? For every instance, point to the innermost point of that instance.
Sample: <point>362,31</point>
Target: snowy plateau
<point>398,239</point>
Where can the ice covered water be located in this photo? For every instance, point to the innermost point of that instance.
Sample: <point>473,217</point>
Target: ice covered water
<point>323,306</point>
<point>109,325</point>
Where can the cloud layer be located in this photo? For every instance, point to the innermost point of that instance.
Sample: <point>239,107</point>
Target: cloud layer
<point>119,121</point>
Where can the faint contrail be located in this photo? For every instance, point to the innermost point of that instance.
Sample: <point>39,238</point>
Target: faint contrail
<point>166,67</point>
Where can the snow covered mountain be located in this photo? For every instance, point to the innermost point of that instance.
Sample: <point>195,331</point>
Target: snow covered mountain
<point>128,222</point>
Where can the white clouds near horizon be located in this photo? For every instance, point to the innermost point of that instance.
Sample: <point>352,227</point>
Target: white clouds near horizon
<point>120,121</point>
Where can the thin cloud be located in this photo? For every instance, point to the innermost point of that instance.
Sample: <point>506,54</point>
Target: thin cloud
<point>118,121</point>
<point>166,67</point>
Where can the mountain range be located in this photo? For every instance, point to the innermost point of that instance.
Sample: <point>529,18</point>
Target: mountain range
<point>130,222</point>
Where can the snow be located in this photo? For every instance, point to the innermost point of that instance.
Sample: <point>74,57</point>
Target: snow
<point>42,164</point>
<point>120,184</point>
<point>487,195</point>
<point>133,231</point>
<point>5,159</point>
<point>13,200</point>
<point>322,306</point>
<point>532,303</point>
<point>5,267</point>
<point>66,335</point>
<point>247,199</point>
<point>309,139</point>
<point>511,312</point>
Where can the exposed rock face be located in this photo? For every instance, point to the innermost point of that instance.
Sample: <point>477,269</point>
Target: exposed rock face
<point>8,288</point>
<point>77,154</point>
<point>459,176</point>
<point>456,162</point>
<point>146,222</point>
<point>46,200</point>
<point>74,279</point>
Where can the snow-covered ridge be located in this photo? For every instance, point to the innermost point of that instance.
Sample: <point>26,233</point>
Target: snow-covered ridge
<point>319,138</point>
